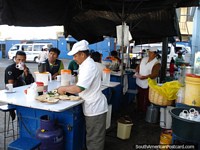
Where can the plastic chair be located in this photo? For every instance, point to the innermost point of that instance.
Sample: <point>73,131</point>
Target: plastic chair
<point>7,108</point>
<point>24,143</point>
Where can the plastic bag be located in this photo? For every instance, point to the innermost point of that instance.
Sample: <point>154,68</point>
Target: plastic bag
<point>168,90</point>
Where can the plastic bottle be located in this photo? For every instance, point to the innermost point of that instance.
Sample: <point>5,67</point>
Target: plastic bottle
<point>65,77</point>
<point>40,88</point>
<point>171,68</point>
<point>106,76</point>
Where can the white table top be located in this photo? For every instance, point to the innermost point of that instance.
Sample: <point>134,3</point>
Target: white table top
<point>20,98</point>
<point>111,84</point>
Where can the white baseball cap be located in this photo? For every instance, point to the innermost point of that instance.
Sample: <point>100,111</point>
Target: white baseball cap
<point>79,46</point>
<point>45,47</point>
<point>153,49</point>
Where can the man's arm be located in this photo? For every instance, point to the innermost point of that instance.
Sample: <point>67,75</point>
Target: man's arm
<point>61,67</point>
<point>9,77</point>
<point>28,77</point>
<point>59,71</point>
<point>73,89</point>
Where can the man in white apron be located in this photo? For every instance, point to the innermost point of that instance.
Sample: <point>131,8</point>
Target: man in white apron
<point>88,87</point>
<point>148,68</point>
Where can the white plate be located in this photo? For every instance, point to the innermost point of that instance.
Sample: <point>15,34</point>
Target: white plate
<point>10,91</point>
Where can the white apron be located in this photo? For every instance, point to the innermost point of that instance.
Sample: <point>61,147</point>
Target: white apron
<point>145,69</point>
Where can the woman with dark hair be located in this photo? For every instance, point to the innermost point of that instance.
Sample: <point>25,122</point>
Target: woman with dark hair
<point>53,64</point>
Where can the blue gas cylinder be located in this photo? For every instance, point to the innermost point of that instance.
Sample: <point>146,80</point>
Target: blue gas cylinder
<point>50,134</point>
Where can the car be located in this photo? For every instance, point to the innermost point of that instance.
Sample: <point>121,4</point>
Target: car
<point>32,50</point>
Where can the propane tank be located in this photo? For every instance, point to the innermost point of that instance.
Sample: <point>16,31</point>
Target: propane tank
<point>50,135</point>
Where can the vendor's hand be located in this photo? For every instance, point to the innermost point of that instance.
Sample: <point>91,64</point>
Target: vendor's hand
<point>62,90</point>
<point>135,75</point>
<point>142,77</point>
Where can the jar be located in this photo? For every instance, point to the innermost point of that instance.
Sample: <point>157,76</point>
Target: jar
<point>106,76</point>
<point>40,88</point>
<point>65,77</point>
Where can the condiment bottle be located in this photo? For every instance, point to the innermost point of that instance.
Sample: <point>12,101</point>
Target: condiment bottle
<point>106,76</point>
<point>65,77</point>
<point>40,88</point>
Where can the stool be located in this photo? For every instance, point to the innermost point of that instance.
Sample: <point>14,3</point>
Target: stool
<point>24,143</point>
<point>7,108</point>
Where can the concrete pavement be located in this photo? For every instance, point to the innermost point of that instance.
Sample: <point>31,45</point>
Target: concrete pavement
<point>3,64</point>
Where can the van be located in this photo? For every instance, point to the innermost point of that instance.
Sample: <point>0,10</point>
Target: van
<point>171,51</point>
<point>32,50</point>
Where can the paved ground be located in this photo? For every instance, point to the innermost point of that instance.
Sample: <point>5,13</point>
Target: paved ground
<point>3,64</point>
<point>141,133</point>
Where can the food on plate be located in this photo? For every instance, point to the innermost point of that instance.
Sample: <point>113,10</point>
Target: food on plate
<point>53,93</point>
<point>64,97</point>
<point>48,99</point>
<point>74,98</point>
<point>53,97</point>
<point>52,100</point>
<point>42,98</point>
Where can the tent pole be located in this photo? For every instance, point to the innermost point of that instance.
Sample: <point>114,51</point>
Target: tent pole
<point>122,51</point>
<point>122,45</point>
<point>164,59</point>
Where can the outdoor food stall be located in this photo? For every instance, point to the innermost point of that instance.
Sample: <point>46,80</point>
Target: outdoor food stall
<point>179,104</point>
<point>57,121</point>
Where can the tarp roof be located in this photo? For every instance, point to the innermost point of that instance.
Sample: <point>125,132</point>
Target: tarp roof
<point>149,20</point>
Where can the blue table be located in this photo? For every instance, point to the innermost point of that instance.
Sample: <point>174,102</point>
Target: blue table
<point>71,121</point>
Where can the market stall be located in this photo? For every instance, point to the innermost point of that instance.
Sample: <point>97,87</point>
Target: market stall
<point>179,103</point>
<point>66,113</point>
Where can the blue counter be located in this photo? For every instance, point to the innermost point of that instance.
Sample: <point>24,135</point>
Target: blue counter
<point>71,121</point>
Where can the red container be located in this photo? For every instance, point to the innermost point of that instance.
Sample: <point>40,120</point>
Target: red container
<point>40,87</point>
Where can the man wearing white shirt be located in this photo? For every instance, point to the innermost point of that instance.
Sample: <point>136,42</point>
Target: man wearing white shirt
<point>97,57</point>
<point>88,87</point>
<point>43,54</point>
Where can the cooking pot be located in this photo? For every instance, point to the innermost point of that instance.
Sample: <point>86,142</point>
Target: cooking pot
<point>42,67</point>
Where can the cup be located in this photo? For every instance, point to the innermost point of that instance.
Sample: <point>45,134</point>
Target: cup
<point>20,66</point>
<point>184,114</point>
<point>193,114</point>
<point>58,78</point>
<point>9,87</point>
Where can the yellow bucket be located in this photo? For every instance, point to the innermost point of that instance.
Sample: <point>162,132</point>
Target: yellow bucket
<point>165,139</point>
<point>192,90</point>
